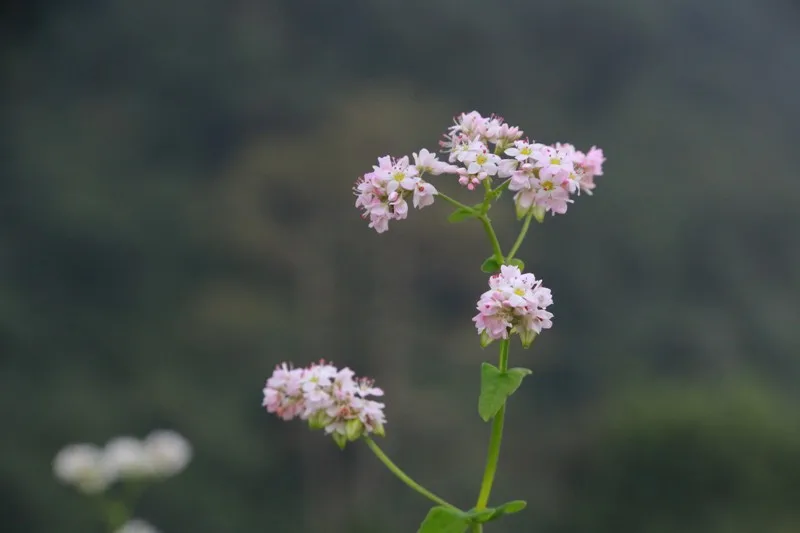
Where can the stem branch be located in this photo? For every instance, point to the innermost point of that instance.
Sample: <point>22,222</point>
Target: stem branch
<point>521,236</point>
<point>402,475</point>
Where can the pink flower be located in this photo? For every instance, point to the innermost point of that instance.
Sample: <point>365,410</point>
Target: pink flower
<point>515,303</point>
<point>328,398</point>
<point>383,193</point>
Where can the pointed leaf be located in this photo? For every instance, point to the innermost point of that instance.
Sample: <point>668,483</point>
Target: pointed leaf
<point>490,266</point>
<point>508,508</point>
<point>462,214</point>
<point>444,520</point>
<point>496,387</point>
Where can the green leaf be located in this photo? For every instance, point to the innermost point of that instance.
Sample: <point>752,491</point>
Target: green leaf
<point>496,387</point>
<point>508,508</point>
<point>482,516</point>
<point>490,266</point>
<point>461,214</point>
<point>444,520</point>
<point>517,263</point>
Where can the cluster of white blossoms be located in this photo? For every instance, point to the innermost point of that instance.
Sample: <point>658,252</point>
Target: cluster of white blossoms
<point>92,469</point>
<point>326,397</point>
<point>515,303</point>
<point>481,148</point>
<point>137,526</point>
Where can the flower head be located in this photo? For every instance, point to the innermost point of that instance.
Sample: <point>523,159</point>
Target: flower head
<point>382,193</point>
<point>81,465</point>
<point>167,452</point>
<point>328,398</point>
<point>136,526</point>
<point>514,303</point>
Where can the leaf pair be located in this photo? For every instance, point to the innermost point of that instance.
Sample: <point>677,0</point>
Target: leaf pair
<point>449,520</point>
<point>496,387</point>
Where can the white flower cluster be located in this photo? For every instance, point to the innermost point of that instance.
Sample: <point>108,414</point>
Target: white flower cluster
<point>92,469</point>
<point>326,397</point>
<point>137,526</point>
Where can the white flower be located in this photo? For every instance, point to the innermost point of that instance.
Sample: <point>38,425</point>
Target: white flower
<point>137,526</point>
<point>167,452</point>
<point>125,458</point>
<point>82,465</point>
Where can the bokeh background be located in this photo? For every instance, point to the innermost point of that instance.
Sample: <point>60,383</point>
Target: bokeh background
<point>177,218</point>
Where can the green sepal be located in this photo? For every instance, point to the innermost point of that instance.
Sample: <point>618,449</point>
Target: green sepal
<point>538,213</point>
<point>339,439</point>
<point>527,337</point>
<point>353,429</point>
<point>496,387</point>
<point>444,520</point>
<point>491,265</point>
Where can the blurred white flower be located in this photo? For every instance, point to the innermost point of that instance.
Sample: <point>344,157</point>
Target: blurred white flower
<point>137,526</point>
<point>125,458</point>
<point>167,452</point>
<point>82,465</point>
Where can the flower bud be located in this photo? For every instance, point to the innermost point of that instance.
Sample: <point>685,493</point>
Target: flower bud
<point>353,429</point>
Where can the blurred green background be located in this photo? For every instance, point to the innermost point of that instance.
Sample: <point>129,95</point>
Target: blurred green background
<point>177,218</point>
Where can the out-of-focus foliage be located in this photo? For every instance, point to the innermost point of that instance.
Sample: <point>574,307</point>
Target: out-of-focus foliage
<point>177,218</point>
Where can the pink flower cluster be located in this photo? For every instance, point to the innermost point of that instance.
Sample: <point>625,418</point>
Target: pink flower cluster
<point>327,397</point>
<point>383,193</point>
<point>478,149</point>
<point>544,176</point>
<point>515,303</point>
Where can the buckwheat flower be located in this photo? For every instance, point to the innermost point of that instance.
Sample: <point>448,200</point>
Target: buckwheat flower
<point>81,465</point>
<point>383,193</point>
<point>136,526</point>
<point>331,399</point>
<point>482,162</point>
<point>283,393</point>
<point>553,162</point>
<point>426,161</point>
<point>514,303</point>
<point>167,452</point>
<point>423,195</point>
<point>521,151</point>
<point>125,458</point>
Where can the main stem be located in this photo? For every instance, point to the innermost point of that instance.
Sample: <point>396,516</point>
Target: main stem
<point>403,476</point>
<point>493,455</point>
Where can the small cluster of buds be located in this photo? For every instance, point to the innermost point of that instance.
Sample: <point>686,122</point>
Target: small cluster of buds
<point>92,469</point>
<point>326,397</point>
<point>515,303</point>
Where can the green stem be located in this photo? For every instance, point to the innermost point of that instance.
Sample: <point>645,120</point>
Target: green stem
<point>493,455</point>
<point>402,475</point>
<point>521,236</point>
<point>487,227</point>
<point>454,202</point>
